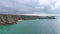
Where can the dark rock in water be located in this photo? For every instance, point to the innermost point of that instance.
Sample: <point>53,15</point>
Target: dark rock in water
<point>12,19</point>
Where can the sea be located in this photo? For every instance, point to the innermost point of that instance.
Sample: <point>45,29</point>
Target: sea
<point>37,26</point>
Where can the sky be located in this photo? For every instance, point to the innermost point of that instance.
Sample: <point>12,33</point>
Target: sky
<point>30,6</point>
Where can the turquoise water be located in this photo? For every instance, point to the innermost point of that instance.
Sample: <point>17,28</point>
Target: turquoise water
<point>42,26</point>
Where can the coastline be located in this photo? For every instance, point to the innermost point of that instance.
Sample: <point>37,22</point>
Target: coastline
<point>12,19</point>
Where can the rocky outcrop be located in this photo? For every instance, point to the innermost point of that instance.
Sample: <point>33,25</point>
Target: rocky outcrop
<point>12,19</point>
<point>7,20</point>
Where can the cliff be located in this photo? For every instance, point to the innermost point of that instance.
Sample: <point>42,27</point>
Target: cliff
<point>12,19</point>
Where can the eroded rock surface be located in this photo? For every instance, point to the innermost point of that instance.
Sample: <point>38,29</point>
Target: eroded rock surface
<point>7,19</point>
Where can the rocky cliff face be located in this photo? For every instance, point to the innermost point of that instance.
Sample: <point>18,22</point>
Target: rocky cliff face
<point>7,19</point>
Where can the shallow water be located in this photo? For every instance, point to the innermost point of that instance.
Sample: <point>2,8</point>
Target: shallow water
<point>39,26</point>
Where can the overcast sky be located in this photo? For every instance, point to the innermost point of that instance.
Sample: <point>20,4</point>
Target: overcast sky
<point>30,6</point>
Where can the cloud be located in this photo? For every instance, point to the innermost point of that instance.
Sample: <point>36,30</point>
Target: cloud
<point>43,2</point>
<point>29,6</point>
<point>19,5</point>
